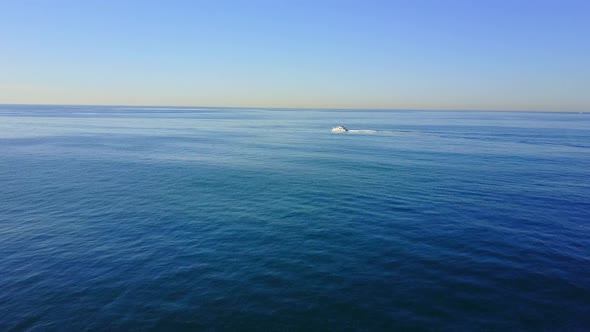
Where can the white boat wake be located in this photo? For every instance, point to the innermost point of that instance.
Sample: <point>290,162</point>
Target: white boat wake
<point>342,130</point>
<point>359,131</point>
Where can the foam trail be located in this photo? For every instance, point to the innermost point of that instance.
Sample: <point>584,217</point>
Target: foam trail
<point>338,130</point>
<point>357,131</point>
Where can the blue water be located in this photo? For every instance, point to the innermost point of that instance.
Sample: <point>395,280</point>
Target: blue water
<point>116,218</point>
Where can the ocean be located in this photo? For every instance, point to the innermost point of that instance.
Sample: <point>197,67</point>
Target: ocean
<point>179,218</point>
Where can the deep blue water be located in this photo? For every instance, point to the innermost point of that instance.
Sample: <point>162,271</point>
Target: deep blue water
<point>116,218</point>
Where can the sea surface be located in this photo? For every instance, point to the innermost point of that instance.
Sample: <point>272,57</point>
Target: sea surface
<point>172,219</point>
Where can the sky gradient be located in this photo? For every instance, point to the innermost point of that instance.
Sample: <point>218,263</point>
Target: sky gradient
<point>478,55</point>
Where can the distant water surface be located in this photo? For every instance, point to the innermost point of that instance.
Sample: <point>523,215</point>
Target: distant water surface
<point>129,218</point>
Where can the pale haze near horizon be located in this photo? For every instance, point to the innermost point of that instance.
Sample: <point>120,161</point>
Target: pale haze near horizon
<point>475,55</point>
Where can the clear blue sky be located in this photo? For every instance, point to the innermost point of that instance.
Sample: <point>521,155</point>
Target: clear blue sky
<point>414,54</point>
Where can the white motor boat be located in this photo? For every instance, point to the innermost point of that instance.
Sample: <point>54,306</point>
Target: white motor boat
<point>339,129</point>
